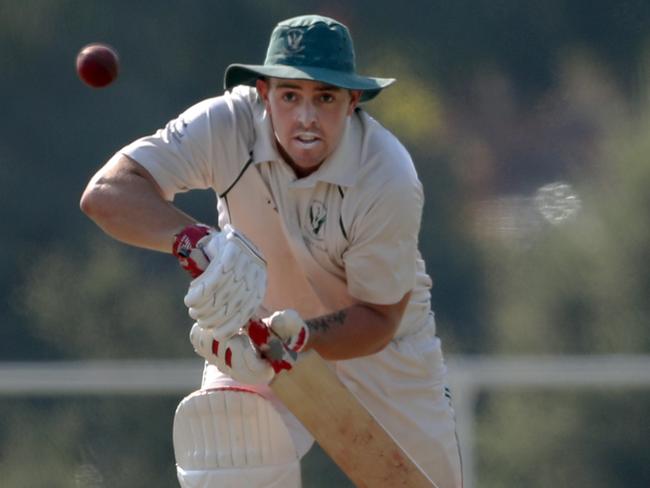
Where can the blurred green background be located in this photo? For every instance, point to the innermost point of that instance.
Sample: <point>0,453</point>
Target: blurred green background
<point>529,125</point>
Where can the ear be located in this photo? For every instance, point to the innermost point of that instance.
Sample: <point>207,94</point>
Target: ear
<point>263,90</point>
<point>355,96</point>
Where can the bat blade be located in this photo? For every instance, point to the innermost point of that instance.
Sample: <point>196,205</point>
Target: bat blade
<point>345,430</point>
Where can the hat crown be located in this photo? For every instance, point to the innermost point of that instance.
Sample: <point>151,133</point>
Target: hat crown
<point>312,40</point>
<point>310,47</point>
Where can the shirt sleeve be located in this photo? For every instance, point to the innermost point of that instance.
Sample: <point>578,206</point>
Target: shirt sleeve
<point>381,260</point>
<point>199,148</point>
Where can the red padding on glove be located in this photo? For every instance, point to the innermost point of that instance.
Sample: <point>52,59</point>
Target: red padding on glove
<point>259,333</point>
<point>266,342</point>
<point>185,242</point>
<point>300,342</point>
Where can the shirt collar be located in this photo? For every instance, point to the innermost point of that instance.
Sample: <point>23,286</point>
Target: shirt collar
<point>264,148</point>
<point>341,168</point>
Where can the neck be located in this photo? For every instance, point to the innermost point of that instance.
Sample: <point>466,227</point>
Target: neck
<point>298,170</point>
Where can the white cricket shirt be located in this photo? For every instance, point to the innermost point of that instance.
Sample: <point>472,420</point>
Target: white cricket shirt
<point>347,232</point>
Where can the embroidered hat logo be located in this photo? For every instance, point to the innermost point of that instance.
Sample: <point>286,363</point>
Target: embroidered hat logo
<point>294,41</point>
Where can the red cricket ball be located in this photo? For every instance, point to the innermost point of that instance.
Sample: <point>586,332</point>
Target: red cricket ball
<point>97,64</point>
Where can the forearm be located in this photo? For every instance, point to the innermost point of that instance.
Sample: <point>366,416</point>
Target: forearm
<point>358,330</point>
<point>124,200</point>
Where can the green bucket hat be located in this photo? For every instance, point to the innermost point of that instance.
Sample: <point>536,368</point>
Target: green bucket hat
<point>310,47</point>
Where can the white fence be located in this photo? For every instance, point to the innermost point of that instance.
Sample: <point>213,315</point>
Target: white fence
<point>468,376</point>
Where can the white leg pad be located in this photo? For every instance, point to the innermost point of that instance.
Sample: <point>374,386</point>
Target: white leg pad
<point>232,438</point>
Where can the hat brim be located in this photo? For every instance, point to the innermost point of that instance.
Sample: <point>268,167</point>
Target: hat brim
<point>247,74</point>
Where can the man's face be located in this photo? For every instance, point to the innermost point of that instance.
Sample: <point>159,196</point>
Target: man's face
<point>308,119</point>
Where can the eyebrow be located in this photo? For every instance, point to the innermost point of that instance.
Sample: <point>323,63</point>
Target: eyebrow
<point>323,87</point>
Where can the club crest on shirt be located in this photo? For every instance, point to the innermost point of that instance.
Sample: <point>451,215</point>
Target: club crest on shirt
<point>316,218</point>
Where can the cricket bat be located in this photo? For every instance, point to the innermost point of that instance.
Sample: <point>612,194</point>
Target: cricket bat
<point>345,430</point>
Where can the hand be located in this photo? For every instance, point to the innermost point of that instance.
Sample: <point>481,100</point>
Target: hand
<point>236,356</point>
<point>231,288</point>
<point>290,327</point>
<point>256,358</point>
<point>188,248</point>
<point>280,347</point>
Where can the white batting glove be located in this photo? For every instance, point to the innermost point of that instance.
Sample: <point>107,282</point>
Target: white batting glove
<point>271,346</point>
<point>231,288</point>
<point>236,356</point>
<point>290,327</point>
<point>279,347</point>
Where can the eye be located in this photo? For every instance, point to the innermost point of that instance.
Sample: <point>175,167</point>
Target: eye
<point>327,98</point>
<point>289,96</point>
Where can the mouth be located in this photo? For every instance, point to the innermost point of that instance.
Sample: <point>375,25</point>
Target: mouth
<point>307,139</point>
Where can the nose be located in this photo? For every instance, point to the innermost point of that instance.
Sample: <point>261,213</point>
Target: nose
<point>307,114</point>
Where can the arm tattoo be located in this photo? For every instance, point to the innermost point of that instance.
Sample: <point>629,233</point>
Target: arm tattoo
<point>324,323</point>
